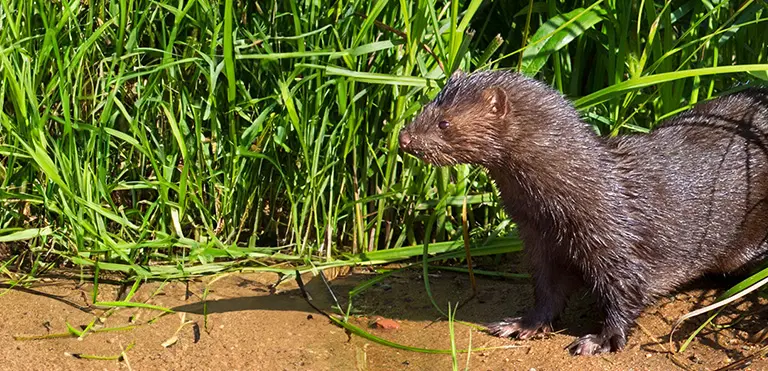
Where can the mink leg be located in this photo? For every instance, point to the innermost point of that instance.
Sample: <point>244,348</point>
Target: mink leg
<point>620,314</point>
<point>552,288</point>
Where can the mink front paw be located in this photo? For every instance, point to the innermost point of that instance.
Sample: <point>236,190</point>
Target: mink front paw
<point>516,327</point>
<point>595,344</point>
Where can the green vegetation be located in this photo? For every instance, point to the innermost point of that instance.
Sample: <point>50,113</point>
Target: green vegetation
<point>166,139</point>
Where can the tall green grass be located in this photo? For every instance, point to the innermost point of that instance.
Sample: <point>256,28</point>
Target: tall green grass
<point>169,139</point>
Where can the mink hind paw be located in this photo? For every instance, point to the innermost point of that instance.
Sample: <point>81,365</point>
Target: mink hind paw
<point>595,344</point>
<point>516,327</point>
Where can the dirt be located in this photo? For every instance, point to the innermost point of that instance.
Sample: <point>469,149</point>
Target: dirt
<point>252,325</point>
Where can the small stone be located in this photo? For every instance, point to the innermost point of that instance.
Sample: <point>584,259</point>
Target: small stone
<point>385,323</point>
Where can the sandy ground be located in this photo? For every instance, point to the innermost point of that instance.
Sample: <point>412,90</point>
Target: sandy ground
<point>254,326</point>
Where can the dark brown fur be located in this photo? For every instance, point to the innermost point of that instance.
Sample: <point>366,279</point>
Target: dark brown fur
<point>632,217</point>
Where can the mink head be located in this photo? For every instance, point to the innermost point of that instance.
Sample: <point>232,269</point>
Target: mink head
<point>469,122</point>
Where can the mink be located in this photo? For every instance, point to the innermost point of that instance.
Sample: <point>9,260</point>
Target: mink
<point>629,217</point>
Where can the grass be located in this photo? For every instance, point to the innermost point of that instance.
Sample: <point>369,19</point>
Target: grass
<point>166,140</point>
<point>171,140</point>
<point>196,134</point>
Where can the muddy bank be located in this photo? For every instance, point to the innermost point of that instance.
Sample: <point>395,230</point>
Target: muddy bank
<point>253,326</point>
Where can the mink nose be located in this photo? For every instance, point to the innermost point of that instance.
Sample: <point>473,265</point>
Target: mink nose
<point>405,139</point>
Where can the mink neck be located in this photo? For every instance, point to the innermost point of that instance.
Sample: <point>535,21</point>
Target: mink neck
<point>550,165</point>
<point>562,172</point>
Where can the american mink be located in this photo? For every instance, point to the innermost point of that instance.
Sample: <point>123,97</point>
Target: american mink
<point>631,217</point>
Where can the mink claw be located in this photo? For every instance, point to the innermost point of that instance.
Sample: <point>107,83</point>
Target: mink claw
<point>592,344</point>
<point>515,327</point>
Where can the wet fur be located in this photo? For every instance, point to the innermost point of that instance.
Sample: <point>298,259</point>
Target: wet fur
<point>631,217</point>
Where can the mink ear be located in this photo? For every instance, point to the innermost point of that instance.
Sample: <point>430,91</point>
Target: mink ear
<point>457,74</point>
<point>497,101</point>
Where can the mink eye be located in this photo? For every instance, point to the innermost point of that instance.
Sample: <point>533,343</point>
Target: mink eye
<point>443,125</point>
